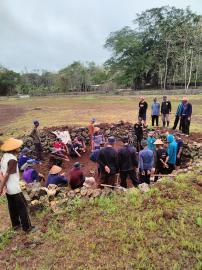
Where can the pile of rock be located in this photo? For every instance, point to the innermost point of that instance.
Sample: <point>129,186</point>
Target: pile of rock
<point>39,197</point>
<point>192,150</point>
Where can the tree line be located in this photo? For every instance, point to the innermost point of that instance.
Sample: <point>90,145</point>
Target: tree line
<point>162,50</point>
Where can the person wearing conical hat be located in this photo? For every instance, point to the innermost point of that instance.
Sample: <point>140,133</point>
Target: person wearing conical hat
<point>10,179</point>
<point>56,177</point>
<point>161,159</point>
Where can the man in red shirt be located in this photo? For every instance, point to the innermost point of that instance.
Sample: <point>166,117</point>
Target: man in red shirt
<point>76,176</point>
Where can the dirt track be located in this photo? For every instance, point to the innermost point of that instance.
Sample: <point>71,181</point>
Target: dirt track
<point>8,113</point>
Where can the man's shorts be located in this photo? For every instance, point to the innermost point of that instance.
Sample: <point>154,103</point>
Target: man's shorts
<point>143,116</point>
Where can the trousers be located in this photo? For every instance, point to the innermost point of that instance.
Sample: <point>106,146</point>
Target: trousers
<point>185,124</point>
<point>108,179</point>
<point>145,178</point>
<point>132,175</point>
<point>17,207</point>
<point>155,118</point>
<point>38,149</point>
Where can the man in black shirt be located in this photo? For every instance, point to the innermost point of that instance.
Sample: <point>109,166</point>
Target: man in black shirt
<point>161,159</point>
<point>143,110</point>
<point>127,163</point>
<point>165,111</point>
<point>138,130</point>
<point>108,162</point>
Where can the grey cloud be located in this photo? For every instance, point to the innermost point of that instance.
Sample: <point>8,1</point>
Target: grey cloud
<point>51,34</point>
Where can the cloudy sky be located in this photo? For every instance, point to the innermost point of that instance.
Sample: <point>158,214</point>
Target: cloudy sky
<point>50,34</point>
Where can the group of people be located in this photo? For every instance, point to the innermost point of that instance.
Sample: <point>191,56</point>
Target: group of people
<point>151,155</point>
<point>183,113</point>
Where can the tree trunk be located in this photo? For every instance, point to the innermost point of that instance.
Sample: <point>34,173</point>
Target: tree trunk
<point>166,67</point>
<point>190,70</point>
<point>185,66</point>
<point>197,68</point>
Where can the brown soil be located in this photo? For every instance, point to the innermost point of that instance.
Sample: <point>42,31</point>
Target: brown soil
<point>9,112</point>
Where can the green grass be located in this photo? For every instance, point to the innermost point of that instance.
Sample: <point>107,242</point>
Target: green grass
<point>160,229</point>
<point>78,110</point>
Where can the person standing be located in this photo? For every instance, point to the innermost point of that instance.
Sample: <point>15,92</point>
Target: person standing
<point>172,152</point>
<point>150,141</point>
<point>138,130</point>
<point>177,117</point>
<point>165,111</point>
<point>10,178</point>
<point>146,162</point>
<point>36,140</point>
<point>91,129</point>
<point>186,115</point>
<point>108,162</point>
<point>127,163</point>
<point>155,110</point>
<point>143,110</point>
<point>161,159</point>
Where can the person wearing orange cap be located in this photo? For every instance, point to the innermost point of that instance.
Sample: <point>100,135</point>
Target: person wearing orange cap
<point>91,129</point>
<point>161,159</point>
<point>10,179</point>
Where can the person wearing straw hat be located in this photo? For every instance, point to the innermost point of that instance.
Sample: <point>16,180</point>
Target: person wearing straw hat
<point>146,162</point>
<point>36,140</point>
<point>56,177</point>
<point>76,176</point>
<point>10,179</point>
<point>161,159</point>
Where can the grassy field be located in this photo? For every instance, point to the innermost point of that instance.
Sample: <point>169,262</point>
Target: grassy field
<point>158,230</point>
<point>78,110</point>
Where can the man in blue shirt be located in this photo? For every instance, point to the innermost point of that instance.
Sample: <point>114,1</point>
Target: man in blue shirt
<point>55,177</point>
<point>155,111</point>
<point>186,115</point>
<point>172,152</point>
<point>146,162</point>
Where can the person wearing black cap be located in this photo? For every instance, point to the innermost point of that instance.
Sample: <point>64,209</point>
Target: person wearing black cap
<point>108,162</point>
<point>127,163</point>
<point>36,140</point>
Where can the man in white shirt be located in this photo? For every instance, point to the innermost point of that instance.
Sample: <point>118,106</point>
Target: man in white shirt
<point>9,173</point>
